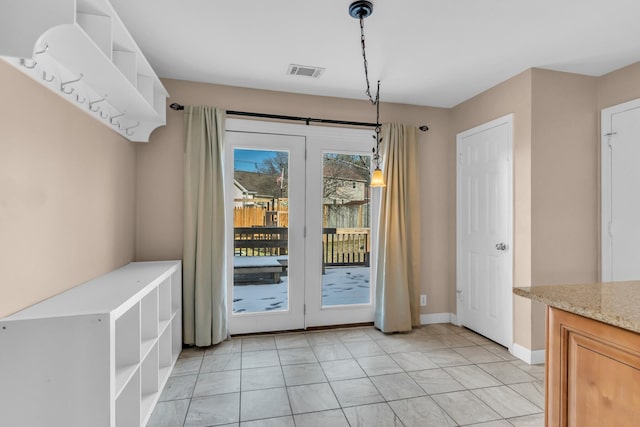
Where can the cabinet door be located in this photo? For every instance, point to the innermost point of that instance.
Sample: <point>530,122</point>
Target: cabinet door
<point>593,373</point>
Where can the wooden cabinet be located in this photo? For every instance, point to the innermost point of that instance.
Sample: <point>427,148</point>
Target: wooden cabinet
<point>96,355</point>
<point>593,373</point>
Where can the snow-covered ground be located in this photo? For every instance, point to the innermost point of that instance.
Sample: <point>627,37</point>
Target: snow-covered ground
<point>340,286</point>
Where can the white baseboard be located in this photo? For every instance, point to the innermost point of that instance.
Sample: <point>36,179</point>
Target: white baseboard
<point>454,319</point>
<point>428,319</point>
<point>532,357</point>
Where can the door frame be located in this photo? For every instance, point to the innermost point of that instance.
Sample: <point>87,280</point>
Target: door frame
<point>342,314</point>
<point>606,202</point>
<point>504,120</point>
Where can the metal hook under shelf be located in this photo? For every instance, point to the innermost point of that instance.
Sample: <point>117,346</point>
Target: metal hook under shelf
<point>23,62</point>
<point>64,84</point>
<point>78,99</point>
<point>115,117</point>
<point>44,77</point>
<point>104,116</point>
<point>131,127</point>
<point>92,103</point>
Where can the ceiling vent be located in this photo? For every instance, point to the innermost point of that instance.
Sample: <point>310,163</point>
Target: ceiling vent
<point>304,70</point>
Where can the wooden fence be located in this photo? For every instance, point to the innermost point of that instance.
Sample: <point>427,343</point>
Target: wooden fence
<point>339,216</point>
<point>258,216</point>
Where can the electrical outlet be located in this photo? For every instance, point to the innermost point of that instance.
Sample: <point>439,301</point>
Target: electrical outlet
<point>423,300</point>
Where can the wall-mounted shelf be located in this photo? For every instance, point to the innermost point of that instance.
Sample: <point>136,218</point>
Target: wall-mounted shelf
<point>82,51</point>
<point>96,355</point>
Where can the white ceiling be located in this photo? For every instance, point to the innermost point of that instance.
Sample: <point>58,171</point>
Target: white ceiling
<point>425,52</point>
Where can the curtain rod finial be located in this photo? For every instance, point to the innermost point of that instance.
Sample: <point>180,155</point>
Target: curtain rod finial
<point>424,128</point>
<point>176,106</point>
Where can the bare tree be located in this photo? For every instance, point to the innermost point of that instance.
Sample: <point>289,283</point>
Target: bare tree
<point>275,172</point>
<point>342,170</point>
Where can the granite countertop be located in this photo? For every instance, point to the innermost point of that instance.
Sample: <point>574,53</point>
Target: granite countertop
<point>614,303</point>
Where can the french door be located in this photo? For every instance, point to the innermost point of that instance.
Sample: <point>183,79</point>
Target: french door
<point>299,233</point>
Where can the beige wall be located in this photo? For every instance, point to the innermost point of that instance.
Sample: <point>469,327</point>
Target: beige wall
<point>67,194</point>
<point>555,181</point>
<point>77,200</point>
<point>564,190</point>
<point>511,96</point>
<point>159,171</point>
<point>619,86</point>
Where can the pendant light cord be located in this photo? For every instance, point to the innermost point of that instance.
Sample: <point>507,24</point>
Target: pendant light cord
<point>375,101</point>
<point>366,66</point>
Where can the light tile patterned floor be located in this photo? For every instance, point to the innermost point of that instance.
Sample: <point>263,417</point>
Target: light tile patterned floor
<point>437,375</point>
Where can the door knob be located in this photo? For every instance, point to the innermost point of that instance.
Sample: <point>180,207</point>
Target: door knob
<point>501,246</point>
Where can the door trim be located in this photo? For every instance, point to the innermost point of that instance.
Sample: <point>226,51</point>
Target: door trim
<point>606,116</point>
<point>340,136</point>
<point>508,120</point>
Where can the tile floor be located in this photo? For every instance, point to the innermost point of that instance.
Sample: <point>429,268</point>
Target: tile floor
<point>437,375</point>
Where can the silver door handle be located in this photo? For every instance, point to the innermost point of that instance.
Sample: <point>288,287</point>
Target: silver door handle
<point>501,246</point>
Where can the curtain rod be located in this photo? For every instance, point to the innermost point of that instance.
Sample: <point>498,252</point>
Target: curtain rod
<point>307,120</point>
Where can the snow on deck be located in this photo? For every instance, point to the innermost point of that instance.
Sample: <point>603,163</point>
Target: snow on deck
<point>340,286</point>
<point>258,261</point>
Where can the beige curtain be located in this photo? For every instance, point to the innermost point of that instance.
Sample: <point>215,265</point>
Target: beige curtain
<point>397,278</point>
<point>204,292</point>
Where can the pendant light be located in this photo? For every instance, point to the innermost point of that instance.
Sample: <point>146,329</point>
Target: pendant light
<point>360,10</point>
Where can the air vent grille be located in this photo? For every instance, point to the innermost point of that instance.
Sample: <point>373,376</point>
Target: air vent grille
<point>304,70</point>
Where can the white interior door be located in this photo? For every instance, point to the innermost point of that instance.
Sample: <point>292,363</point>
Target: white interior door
<point>300,233</point>
<point>620,201</point>
<point>484,230</point>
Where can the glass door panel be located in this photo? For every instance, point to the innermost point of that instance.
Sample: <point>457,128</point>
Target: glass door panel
<point>260,227</point>
<point>346,229</point>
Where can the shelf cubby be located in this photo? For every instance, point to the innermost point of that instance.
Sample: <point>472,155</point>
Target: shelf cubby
<point>127,351</point>
<point>98,29</point>
<point>127,405</point>
<point>176,291</point>
<point>125,61</point>
<point>176,334</point>
<point>164,304</point>
<point>149,385</point>
<point>148,321</point>
<point>165,356</point>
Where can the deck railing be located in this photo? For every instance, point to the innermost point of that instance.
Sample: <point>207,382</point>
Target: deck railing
<point>339,247</point>
<point>345,248</point>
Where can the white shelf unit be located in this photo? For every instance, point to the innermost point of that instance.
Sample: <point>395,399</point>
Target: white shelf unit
<point>81,50</point>
<point>96,355</point>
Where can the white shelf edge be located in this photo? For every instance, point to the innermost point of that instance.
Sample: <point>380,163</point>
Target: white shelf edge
<point>145,348</point>
<point>163,326</point>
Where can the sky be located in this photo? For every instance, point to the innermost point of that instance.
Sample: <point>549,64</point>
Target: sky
<point>246,160</point>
